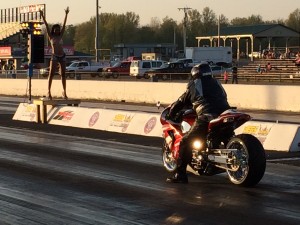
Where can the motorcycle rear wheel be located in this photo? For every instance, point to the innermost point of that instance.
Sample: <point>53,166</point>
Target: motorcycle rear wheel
<point>250,160</point>
<point>169,162</point>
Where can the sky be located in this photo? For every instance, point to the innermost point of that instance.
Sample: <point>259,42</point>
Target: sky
<point>82,10</point>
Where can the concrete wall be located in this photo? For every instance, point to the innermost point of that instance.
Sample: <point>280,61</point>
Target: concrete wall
<point>262,97</point>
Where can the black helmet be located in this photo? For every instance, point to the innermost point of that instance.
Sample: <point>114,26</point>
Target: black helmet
<point>202,69</point>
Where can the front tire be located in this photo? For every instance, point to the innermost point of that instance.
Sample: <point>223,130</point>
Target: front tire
<point>250,159</point>
<point>164,77</point>
<point>71,75</point>
<point>115,75</point>
<point>170,163</point>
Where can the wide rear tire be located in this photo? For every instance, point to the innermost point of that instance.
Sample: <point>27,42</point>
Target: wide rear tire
<point>251,160</point>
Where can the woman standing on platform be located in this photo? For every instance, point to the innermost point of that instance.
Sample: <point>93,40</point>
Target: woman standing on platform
<point>58,56</point>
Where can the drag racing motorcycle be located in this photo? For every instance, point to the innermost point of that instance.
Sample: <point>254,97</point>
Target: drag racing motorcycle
<point>242,156</point>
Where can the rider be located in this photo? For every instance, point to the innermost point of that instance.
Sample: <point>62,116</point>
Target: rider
<point>208,98</point>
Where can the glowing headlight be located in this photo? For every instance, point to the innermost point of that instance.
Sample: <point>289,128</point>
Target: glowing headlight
<point>197,145</point>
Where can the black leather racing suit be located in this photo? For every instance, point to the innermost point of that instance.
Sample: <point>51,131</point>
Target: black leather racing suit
<point>208,98</point>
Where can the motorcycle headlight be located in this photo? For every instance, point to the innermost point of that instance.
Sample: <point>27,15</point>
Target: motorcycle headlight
<point>197,145</point>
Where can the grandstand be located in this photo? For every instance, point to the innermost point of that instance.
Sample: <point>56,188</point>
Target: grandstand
<point>11,40</point>
<point>8,30</point>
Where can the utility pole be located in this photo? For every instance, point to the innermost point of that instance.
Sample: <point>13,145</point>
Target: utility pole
<point>185,10</point>
<point>97,28</point>
<point>219,31</point>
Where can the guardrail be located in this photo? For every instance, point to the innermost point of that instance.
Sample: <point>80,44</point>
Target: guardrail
<point>266,78</point>
<point>251,78</point>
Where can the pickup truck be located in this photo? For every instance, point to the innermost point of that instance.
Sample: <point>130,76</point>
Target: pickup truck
<point>171,71</point>
<point>84,66</point>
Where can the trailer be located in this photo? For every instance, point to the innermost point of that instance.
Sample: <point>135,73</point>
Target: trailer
<point>214,55</point>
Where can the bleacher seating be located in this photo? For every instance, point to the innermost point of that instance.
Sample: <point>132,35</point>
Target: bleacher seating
<point>9,29</point>
<point>283,71</point>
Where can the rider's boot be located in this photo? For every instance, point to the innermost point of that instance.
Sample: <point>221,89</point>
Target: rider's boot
<point>180,176</point>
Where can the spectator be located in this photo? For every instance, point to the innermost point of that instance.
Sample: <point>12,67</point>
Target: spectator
<point>58,55</point>
<point>11,68</point>
<point>225,77</point>
<point>234,75</point>
<point>268,67</point>
<point>258,69</point>
<point>297,60</point>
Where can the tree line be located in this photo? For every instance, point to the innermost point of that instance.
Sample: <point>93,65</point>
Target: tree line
<point>125,28</point>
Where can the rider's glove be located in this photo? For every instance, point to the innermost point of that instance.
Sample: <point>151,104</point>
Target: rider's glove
<point>168,116</point>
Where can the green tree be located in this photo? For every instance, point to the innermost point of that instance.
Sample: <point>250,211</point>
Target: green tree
<point>69,35</point>
<point>293,20</point>
<point>85,37</point>
<point>113,29</point>
<point>209,20</point>
<point>144,35</point>
<point>167,31</point>
<point>251,20</point>
<point>195,27</point>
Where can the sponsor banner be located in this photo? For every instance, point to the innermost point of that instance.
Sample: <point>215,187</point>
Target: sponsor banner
<point>260,130</point>
<point>139,123</point>
<point>273,136</point>
<point>25,112</point>
<point>120,121</point>
<point>67,116</point>
<point>147,124</point>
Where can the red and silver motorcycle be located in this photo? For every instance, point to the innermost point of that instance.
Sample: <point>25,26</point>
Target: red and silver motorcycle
<point>241,156</point>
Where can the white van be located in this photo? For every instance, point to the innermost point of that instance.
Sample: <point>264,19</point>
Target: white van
<point>139,67</point>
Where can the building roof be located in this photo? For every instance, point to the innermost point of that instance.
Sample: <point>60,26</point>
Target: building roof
<point>260,30</point>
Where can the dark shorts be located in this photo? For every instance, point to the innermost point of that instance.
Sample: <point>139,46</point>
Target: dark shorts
<point>59,59</point>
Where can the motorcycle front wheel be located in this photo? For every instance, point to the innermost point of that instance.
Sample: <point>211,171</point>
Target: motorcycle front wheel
<point>169,162</point>
<point>249,164</point>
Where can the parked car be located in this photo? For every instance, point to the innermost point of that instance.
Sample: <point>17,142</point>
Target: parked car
<point>139,67</point>
<point>118,69</point>
<point>171,70</point>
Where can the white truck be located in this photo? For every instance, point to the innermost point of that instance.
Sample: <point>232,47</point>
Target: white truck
<point>85,66</point>
<point>210,54</point>
<point>76,68</point>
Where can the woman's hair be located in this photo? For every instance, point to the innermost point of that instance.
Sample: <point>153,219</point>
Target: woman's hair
<point>53,27</point>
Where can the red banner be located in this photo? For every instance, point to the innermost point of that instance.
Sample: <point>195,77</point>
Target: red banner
<point>5,51</point>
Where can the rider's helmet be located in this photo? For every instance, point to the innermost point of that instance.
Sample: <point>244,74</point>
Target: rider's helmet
<point>200,70</point>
